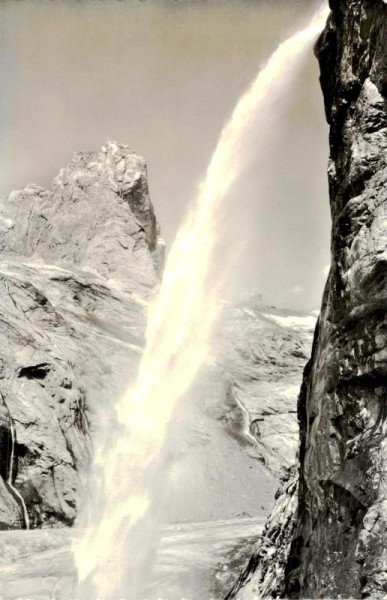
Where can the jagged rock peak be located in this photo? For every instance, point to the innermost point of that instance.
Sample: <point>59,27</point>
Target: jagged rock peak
<point>98,217</point>
<point>123,171</point>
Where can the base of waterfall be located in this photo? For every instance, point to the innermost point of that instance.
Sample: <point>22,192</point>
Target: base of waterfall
<point>194,560</point>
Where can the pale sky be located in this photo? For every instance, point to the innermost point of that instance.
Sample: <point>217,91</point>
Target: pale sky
<point>163,77</point>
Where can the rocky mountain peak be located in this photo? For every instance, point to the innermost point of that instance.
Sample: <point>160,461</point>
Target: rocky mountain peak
<point>97,217</point>
<point>122,170</point>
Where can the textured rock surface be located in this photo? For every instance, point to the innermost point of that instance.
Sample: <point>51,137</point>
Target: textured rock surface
<point>78,264</point>
<point>338,546</point>
<point>237,428</point>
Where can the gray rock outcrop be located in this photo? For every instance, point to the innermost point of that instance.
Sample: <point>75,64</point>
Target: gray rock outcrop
<point>78,264</point>
<point>336,525</point>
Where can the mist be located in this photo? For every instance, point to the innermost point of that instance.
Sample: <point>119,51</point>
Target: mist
<point>164,77</point>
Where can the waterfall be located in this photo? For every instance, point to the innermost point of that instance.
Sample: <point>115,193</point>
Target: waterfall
<point>113,550</point>
<point>16,493</point>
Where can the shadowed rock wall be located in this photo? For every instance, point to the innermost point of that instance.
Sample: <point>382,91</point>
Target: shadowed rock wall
<point>339,543</point>
<point>327,536</point>
<point>78,264</point>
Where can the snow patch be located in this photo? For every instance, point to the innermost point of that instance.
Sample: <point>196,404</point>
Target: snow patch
<point>291,391</point>
<point>307,322</point>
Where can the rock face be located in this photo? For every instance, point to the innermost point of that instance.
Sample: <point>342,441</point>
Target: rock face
<point>78,265</point>
<point>336,539</point>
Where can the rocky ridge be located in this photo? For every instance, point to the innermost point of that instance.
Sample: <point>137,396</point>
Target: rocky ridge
<point>236,429</point>
<point>327,537</point>
<point>79,264</point>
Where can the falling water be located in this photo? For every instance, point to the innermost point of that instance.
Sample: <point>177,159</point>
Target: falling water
<point>11,475</point>
<point>108,556</point>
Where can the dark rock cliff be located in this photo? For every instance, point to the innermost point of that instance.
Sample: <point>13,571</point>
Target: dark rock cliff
<point>236,428</point>
<point>77,266</point>
<point>327,537</point>
<point>339,543</point>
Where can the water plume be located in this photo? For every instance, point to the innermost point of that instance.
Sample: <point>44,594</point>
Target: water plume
<point>111,557</point>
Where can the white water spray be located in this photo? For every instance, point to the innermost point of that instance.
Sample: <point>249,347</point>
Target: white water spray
<point>179,327</point>
<point>10,478</point>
